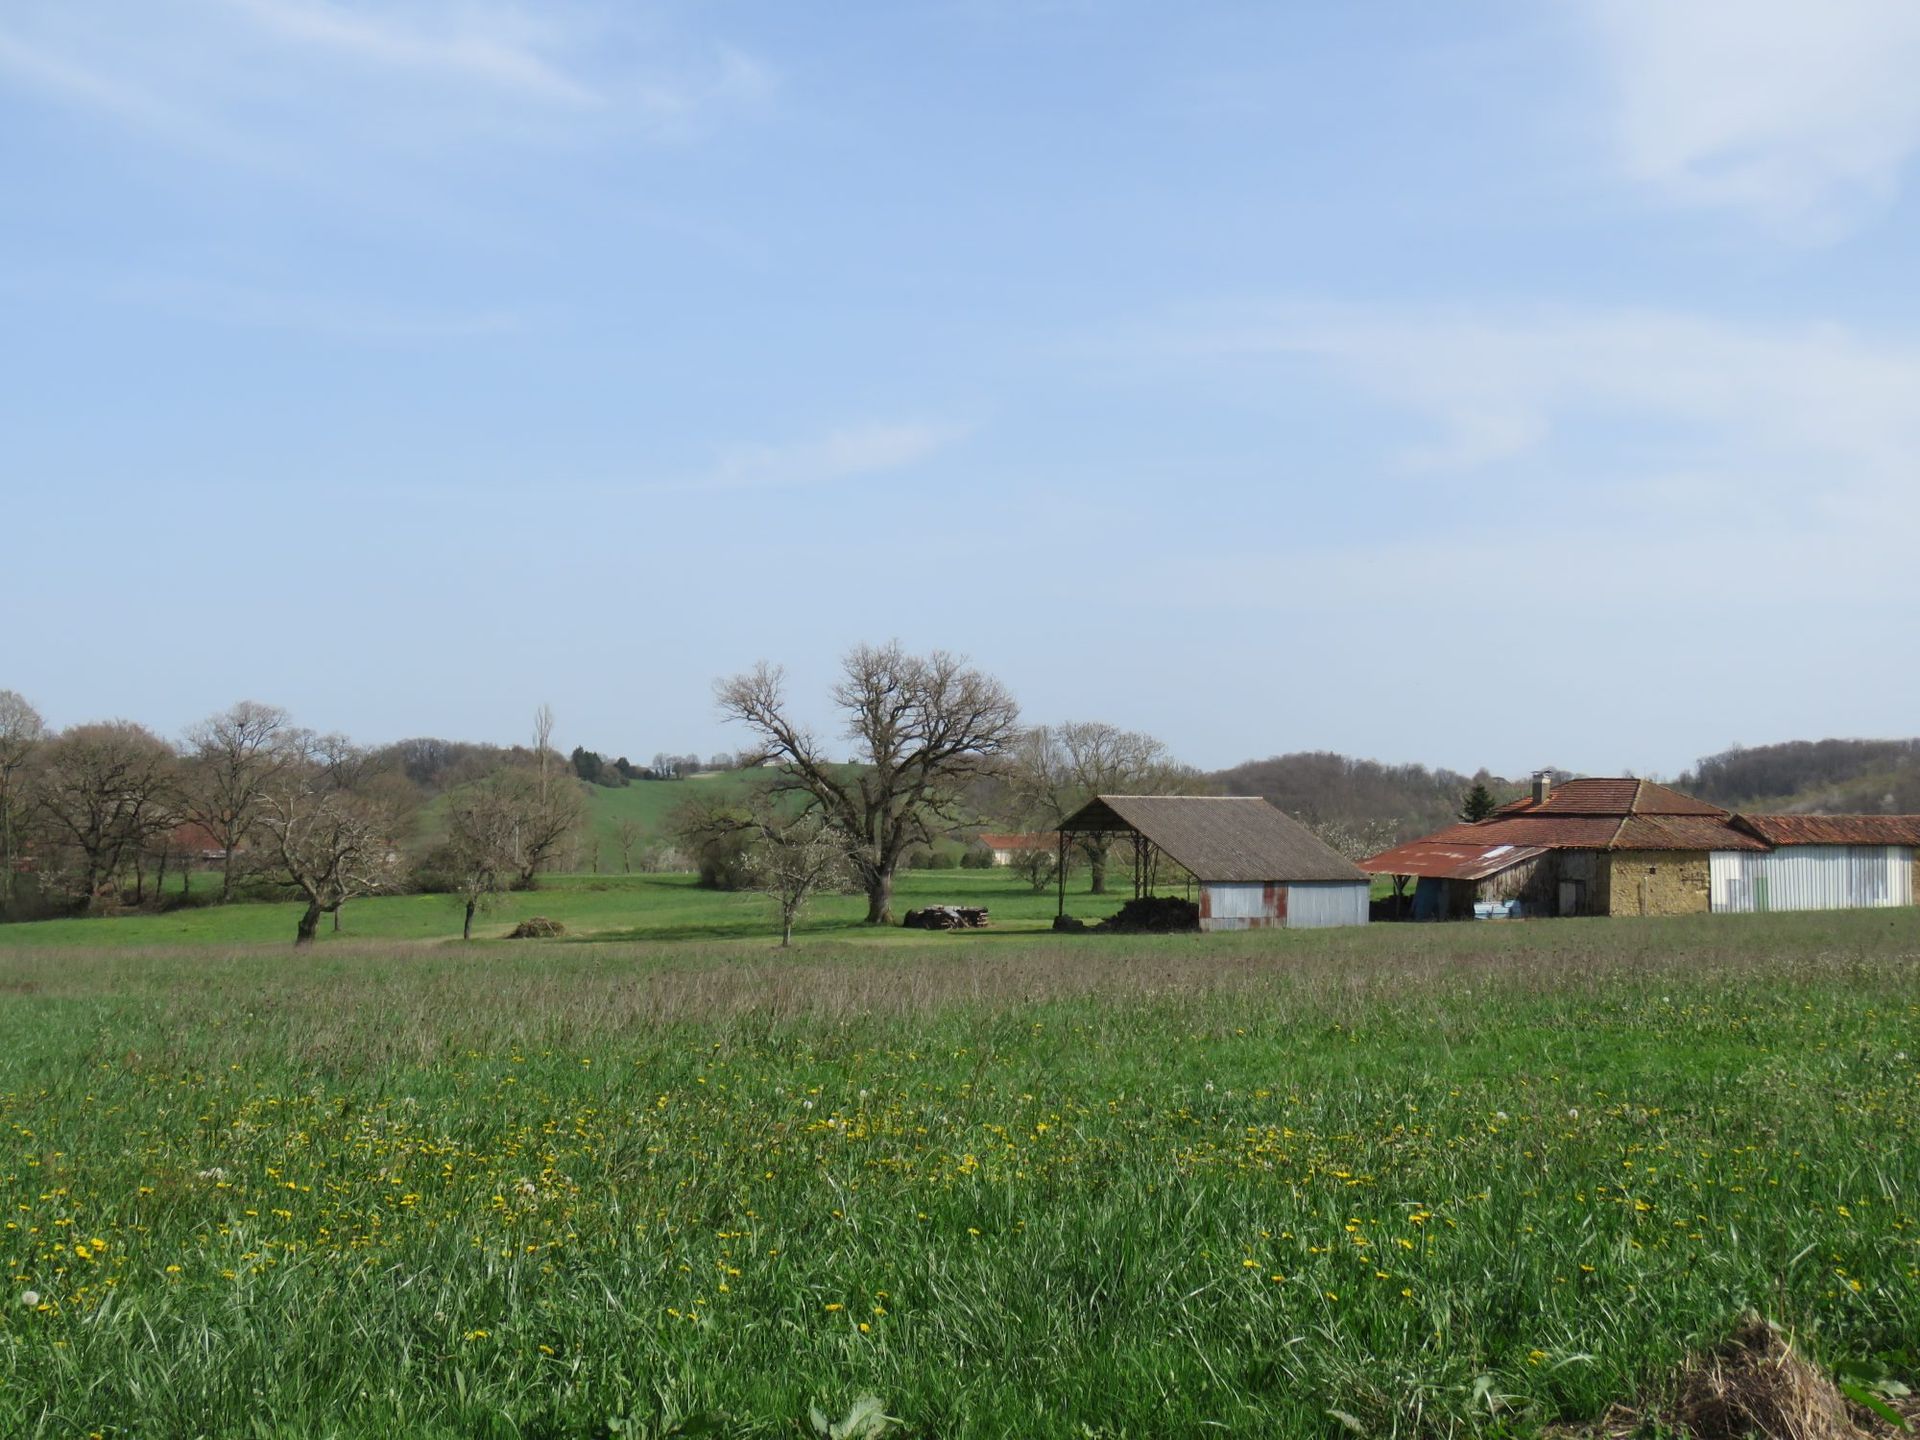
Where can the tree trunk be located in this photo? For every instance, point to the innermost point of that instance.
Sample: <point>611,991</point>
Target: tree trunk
<point>466,926</point>
<point>226,875</point>
<point>336,916</point>
<point>880,898</point>
<point>1097,868</point>
<point>309,924</point>
<point>6,854</point>
<point>786,931</point>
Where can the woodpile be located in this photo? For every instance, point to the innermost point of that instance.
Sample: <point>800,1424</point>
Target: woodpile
<point>947,917</point>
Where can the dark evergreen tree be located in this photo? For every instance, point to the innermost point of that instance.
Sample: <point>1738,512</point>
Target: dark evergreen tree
<point>1479,803</point>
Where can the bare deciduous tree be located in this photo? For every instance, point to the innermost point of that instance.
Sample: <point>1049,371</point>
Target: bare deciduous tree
<point>106,790</point>
<point>330,831</point>
<point>1357,839</point>
<point>483,822</point>
<point>21,733</point>
<point>546,814</point>
<point>923,728</point>
<point>232,759</point>
<point>543,742</point>
<point>1056,769</point>
<point>626,834</point>
<point>791,861</point>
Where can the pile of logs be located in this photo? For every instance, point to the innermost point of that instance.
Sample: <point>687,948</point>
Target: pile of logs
<point>947,917</point>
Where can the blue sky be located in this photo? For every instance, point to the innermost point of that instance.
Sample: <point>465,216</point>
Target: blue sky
<point>1495,383</point>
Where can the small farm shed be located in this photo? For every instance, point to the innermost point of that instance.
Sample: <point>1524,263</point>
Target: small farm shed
<point>1255,867</point>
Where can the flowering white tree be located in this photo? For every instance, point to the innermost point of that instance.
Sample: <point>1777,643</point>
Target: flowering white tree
<point>790,862</point>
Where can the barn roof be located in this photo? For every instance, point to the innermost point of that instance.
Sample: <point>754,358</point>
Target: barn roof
<point>1602,796</point>
<point>1450,860</point>
<point>1602,814</point>
<point>1834,829</point>
<point>1221,838</point>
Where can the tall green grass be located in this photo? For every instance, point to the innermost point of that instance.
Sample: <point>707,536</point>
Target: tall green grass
<point>1436,1180</point>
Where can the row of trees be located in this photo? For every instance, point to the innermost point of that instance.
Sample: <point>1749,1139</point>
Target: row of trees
<point>274,805</point>
<point>935,743</point>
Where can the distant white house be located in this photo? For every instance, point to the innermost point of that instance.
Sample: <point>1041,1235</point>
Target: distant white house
<point>1008,848</point>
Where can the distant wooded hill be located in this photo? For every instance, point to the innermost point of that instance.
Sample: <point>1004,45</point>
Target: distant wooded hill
<point>1338,792</point>
<point>1811,776</point>
<point>1383,802</point>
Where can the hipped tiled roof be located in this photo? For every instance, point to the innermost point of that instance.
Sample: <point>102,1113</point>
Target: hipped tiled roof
<point>1611,797</point>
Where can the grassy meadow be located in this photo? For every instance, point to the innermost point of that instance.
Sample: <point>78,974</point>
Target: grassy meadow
<point>657,908</point>
<point>1470,1179</point>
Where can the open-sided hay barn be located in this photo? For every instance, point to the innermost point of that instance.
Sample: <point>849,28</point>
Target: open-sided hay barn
<point>1254,867</point>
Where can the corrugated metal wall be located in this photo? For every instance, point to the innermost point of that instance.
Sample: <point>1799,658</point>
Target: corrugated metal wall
<point>1331,903</point>
<point>1241,907</point>
<point>1812,877</point>
<point>1298,907</point>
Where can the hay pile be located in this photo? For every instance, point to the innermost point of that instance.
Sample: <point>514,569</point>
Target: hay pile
<point>1754,1385</point>
<point>536,927</point>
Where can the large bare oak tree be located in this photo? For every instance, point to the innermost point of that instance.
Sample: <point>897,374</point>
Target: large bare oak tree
<point>923,728</point>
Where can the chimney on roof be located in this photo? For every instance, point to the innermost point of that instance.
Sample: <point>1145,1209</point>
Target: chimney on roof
<point>1542,786</point>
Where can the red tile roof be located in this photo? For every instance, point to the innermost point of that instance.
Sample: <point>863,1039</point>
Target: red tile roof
<point>1589,815</point>
<point>1611,797</point>
<point>1681,832</point>
<point>1447,860</point>
<point>1048,841</point>
<point>1834,829</point>
<point>1574,832</point>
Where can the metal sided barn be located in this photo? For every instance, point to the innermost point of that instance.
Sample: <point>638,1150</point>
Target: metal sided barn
<point>1819,862</point>
<point>1254,867</point>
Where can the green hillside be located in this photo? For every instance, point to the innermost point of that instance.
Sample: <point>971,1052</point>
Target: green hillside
<point>650,805</point>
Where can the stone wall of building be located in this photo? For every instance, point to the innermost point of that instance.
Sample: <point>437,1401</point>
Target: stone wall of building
<point>1657,882</point>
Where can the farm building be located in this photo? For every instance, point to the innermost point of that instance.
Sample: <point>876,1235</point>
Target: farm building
<point>1632,847</point>
<point>1254,867</point>
<point>1008,848</point>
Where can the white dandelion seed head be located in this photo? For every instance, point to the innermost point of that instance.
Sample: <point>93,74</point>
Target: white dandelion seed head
<point>29,1298</point>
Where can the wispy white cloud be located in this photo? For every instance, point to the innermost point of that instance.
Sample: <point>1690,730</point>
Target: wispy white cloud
<point>302,77</point>
<point>1815,416</point>
<point>1804,114</point>
<point>497,47</point>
